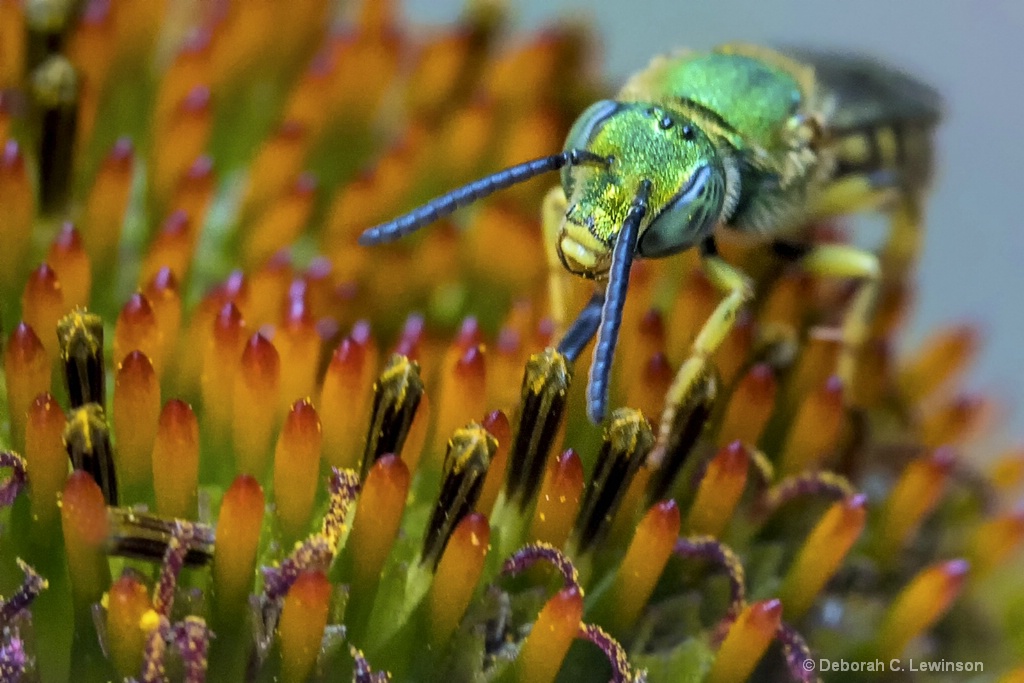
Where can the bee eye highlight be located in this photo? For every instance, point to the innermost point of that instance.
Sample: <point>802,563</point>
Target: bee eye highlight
<point>688,133</point>
<point>666,123</point>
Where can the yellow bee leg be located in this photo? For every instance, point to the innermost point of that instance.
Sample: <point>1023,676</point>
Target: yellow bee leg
<point>739,290</point>
<point>854,194</point>
<point>844,261</point>
<point>552,213</point>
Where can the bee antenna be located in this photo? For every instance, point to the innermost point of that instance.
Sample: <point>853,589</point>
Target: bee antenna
<point>467,194</point>
<point>614,300</point>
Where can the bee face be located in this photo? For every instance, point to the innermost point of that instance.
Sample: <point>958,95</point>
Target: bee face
<point>642,142</point>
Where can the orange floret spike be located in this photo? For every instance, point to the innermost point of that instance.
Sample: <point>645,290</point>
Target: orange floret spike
<point>818,362</point>
<point>281,223</point>
<point>996,541</point>
<point>541,655</point>
<point>298,345</point>
<point>745,643</point>
<point>176,461</point>
<point>822,553</point>
<point>234,554</point>
<point>27,372</point>
<point>304,103</point>
<point>875,374</point>
<point>1007,470</point>
<point>221,359</point>
<point>345,397</point>
<point>506,359</point>
<point>500,228</point>
<point>636,577</point>
<point>456,576</point>
<point>137,330</point>
<point>254,406</point>
<point>694,305</point>
<point>68,259</point>
<point>815,430</point>
<point>84,522</point>
<point>180,140</point>
<point>277,163</point>
<point>463,398</point>
<point>189,68</point>
<point>750,406</point>
<point>12,43</point>
<point>42,306</point>
<point>558,501</point>
<point>296,467</point>
<point>106,204</point>
<point>497,425</point>
<point>942,358</point>
<point>410,341</point>
<point>137,27</point>
<point>719,491</point>
<point>127,602</point>
<point>374,529</point>
<point>647,393</point>
<point>17,210</point>
<point>268,287</point>
<point>736,349</point>
<point>165,299</point>
<point>956,421</point>
<point>171,248</point>
<point>5,104</point>
<point>786,304</point>
<point>91,48</point>
<point>301,628</point>
<point>45,458</point>
<point>194,191</point>
<point>136,413</point>
<point>920,604</point>
<point>916,493</point>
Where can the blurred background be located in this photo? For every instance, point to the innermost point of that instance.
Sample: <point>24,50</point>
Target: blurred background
<point>973,263</point>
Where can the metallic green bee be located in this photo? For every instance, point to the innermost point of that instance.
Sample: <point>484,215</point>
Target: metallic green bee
<point>743,138</point>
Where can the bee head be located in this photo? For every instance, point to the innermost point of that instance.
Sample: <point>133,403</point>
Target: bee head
<point>641,141</point>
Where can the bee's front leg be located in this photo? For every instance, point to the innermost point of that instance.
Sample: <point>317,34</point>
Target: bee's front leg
<point>552,213</point>
<point>739,290</point>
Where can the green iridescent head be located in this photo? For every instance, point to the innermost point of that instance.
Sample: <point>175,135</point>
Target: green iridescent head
<point>642,141</point>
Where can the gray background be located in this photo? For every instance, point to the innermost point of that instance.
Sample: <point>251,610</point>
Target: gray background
<point>973,263</point>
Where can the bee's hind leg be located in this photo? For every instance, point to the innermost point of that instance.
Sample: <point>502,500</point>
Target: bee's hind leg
<point>901,250</point>
<point>845,261</point>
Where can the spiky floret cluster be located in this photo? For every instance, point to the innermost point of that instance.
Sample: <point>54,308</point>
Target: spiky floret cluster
<point>233,454</point>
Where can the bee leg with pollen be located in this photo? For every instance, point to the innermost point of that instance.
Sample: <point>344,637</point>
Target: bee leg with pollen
<point>739,291</point>
<point>845,261</point>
